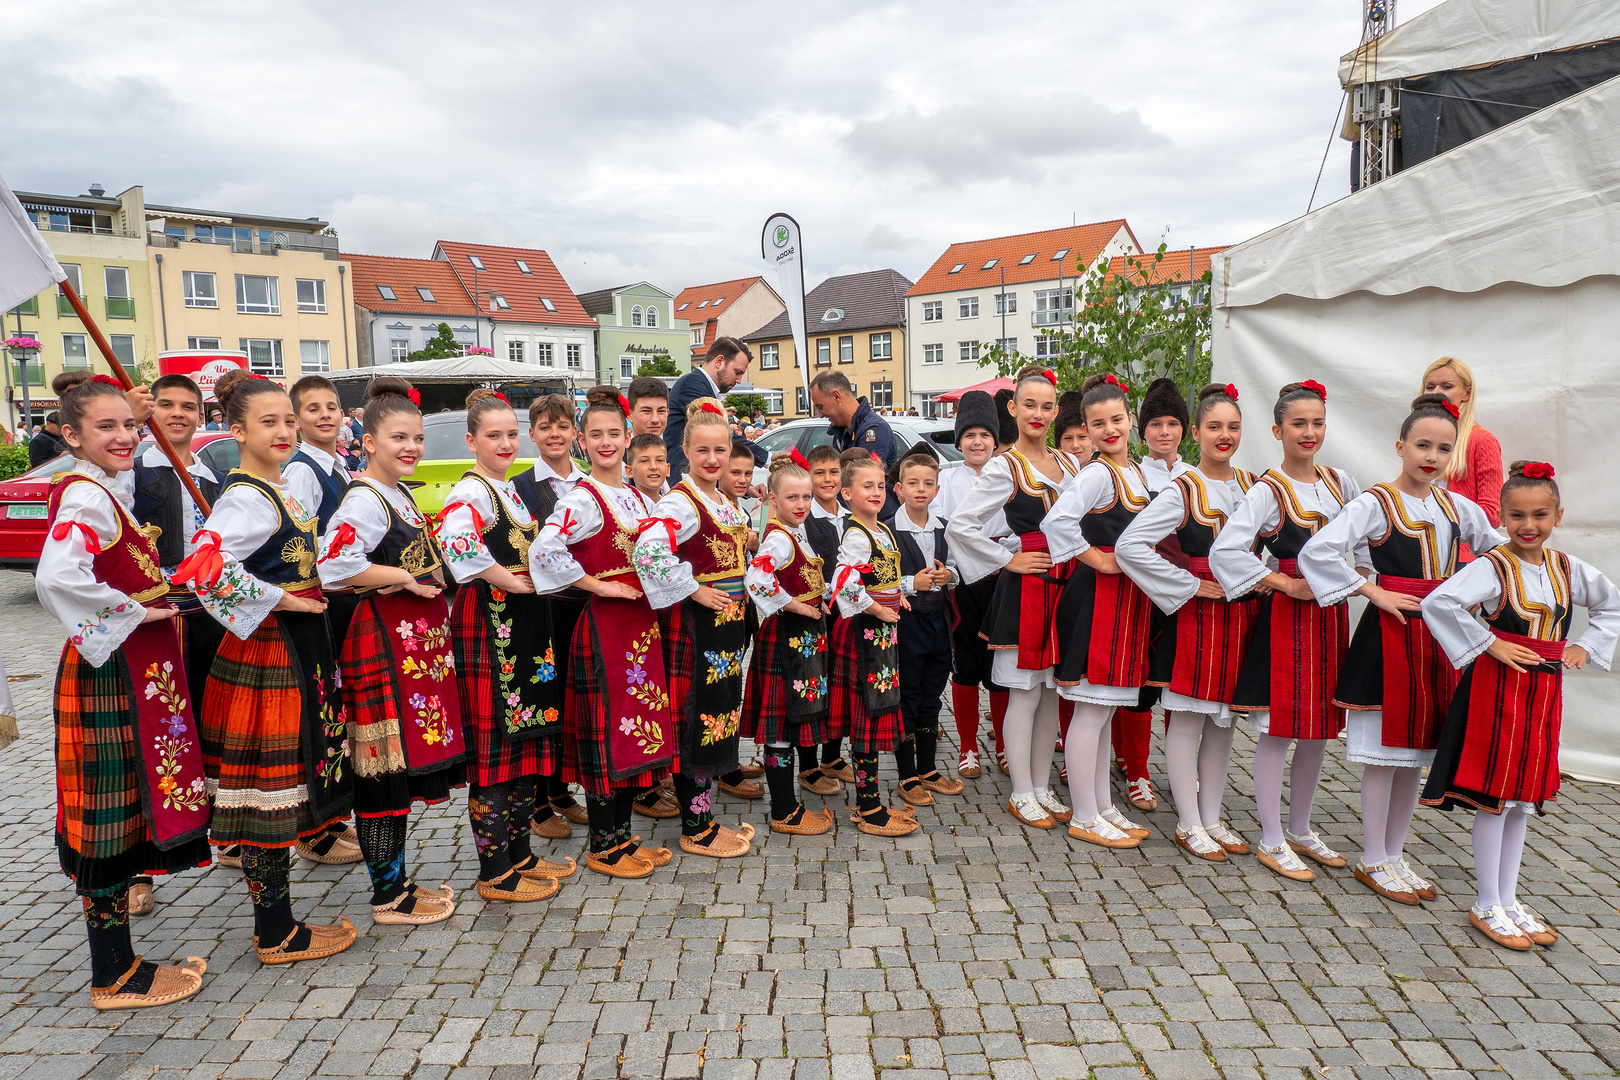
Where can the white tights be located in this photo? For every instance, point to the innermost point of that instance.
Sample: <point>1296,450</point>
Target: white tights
<point>1088,753</point>
<point>1388,798</point>
<point>1270,754</point>
<point>1029,735</point>
<point>1197,752</point>
<point>1498,853</point>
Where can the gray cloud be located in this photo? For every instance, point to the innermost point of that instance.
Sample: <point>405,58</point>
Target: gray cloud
<point>882,238</point>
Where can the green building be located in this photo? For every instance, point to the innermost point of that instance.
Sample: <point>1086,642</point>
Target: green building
<point>636,323</point>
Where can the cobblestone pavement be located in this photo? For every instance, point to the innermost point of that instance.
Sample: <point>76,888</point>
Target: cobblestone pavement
<point>970,948</point>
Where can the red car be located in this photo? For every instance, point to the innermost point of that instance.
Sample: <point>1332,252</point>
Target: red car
<point>24,500</point>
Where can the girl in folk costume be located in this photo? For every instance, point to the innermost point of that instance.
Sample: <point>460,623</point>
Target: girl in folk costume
<point>554,474</point>
<point>691,555</point>
<point>976,431</point>
<point>825,528</point>
<point>619,734</point>
<point>130,794</point>
<point>506,659</point>
<point>1395,682</point>
<point>1296,648</point>
<point>1202,642</point>
<point>785,703</point>
<point>272,724</point>
<point>1161,422</point>
<point>1498,750</point>
<point>1103,617</point>
<point>865,652</point>
<point>399,674</point>
<point>1475,469</point>
<point>1022,485</point>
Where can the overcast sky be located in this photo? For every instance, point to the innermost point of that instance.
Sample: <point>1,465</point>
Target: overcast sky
<point>650,141</point>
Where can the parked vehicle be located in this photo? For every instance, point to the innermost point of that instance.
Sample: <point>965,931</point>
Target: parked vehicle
<point>445,457</point>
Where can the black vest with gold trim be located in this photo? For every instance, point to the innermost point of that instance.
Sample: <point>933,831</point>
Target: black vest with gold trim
<point>287,558</point>
<point>1409,549</point>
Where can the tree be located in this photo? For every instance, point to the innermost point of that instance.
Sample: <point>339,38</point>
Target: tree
<point>1139,325</point>
<point>658,365</point>
<point>439,346</point>
<point>748,404</point>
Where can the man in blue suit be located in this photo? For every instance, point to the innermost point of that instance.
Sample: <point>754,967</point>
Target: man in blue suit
<point>724,366</point>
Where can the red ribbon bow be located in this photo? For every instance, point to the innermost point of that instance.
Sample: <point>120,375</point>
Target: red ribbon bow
<point>568,524</point>
<point>1050,376</point>
<point>256,375</point>
<point>1117,381</point>
<point>765,563</point>
<point>624,405</point>
<point>92,542</point>
<point>1230,391</point>
<point>415,396</point>
<point>1539,470</point>
<point>108,379</point>
<point>709,406</point>
<point>799,459</point>
<point>845,572</point>
<point>342,537</point>
<point>670,527</point>
<point>1314,387</point>
<point>478,519</point>
<point>203,566</point>
<point>875,457</point>
<point>1456,413</point>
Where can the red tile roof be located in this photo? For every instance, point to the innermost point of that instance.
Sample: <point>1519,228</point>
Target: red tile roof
<point>715,299</point>
<point>521,291</point>
<point>1083,242</point>
<point>403,276</point>
<point>1174,267</point>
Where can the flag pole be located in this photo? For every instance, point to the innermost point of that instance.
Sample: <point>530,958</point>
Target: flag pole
<point>123,376</point>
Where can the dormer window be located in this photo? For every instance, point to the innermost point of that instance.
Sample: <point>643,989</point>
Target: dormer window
<point>833,314</point>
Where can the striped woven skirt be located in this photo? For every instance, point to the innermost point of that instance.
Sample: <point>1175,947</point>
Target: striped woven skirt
<point>495,758</point>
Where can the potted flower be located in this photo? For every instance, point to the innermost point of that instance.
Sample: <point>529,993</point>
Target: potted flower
<point>22,347</point>
<point>478,350</point>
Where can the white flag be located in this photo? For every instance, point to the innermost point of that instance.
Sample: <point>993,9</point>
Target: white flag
<point>27,267</point>
<point>779,246</point>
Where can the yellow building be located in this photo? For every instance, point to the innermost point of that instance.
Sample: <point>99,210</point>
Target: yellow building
<point>854,324</point>
<point>101,243</point>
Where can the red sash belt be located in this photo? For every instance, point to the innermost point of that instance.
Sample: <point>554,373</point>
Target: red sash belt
<point>1211,638</point>
<point>1550,651</point>
<point>1117,653</point>
<point>1418,679</point>
<point>1288,568</point>
<point>1037,609</point>
<point>1510,744</point>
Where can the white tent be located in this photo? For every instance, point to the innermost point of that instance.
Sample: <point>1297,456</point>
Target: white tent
<point>1466,33</point>
<point>457,368</point>
<point>1504,253</point>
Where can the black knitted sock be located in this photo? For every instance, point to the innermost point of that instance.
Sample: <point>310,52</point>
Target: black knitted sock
<point>832,751</point>
<point>603,813</point>
<point>733,778</point>
<point>112,951</point>
<point>519,840</point>
<point>807,758</point>
<point>489,809</point>
<point>927,751</point>
<point>382,842</point>
<point>867,799</point>
<point>779,778</point>
<point>266,873</point>
<point>905,764</point>
<point>697,808</point>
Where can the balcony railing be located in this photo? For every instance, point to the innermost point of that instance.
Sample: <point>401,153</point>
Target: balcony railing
<point>326,245</point>
<point>89,230</point>
<point>119,307</point>
<point>64,306</point>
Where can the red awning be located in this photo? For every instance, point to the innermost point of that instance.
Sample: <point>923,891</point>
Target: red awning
<point>990,387</point>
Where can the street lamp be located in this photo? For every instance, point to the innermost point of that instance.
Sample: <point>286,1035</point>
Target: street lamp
<point>23,349</point>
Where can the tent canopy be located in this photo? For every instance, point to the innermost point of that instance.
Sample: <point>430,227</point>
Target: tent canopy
<point>457,368</point>
<point>1534,203</point>
<point>989,386</point>
<point>1467,33</point>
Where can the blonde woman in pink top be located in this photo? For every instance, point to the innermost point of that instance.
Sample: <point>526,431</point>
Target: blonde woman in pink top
<point>1475,471</point>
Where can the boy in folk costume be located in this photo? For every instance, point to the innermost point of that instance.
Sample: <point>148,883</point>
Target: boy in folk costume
<point>506,659</point>
<point>619,733</point>
<point>399,677</point>
<point>743,782</point>
<point>1296,649</point>
<point>1201,648</point>
<point>1396,682</point>
<point>274,739</point>
<point>646,466</point>
<point>130,794</point>
<point>690,557</point>
<point>785,701</point>
<point>977,429</point>
<point>1498,750</point>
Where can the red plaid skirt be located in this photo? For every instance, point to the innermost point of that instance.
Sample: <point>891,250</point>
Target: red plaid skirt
<point>585,719</point>
<point>495,760</point>
<point>765,698</point>
<point>847,715</point>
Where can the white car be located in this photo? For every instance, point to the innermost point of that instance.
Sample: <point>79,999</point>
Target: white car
<point>811,432</point>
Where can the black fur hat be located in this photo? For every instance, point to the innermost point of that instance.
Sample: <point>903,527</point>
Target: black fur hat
<point>976,409</point>
<point>1163,398</point>
<point>1007,432</point>
<point>1070,413</point>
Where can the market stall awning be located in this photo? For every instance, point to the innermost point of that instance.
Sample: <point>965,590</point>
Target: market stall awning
<point>989,387</point>
<point>456,368</point>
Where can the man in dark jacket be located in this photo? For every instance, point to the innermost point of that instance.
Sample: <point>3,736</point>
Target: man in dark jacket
<point>723,367</point>
<point>852,422</point>
<point>47,444</point>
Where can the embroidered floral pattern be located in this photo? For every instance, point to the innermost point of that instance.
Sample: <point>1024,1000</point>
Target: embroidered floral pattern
<point>734,611</point>
<point>97,623</point>
<point>431,718</point>
<point>234,588</point>
<point>461,546</point>
<point>883,637</point>
<point>649,734</point>
<point>178,794</point>
<point>884,679</point>
<point>334,724</point>
<point>654,561</point>
<point>642,688</point>
<point>546,669</point>
<point>809,643</point>
<point>518,715</point>
<point>811,689</point>
<point>437,662</point>
<point>720,727</point>
<point>765,591</point>
<point>722,664</point>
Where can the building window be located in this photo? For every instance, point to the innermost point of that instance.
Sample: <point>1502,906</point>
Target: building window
<point>697,334</point>
<point>201,290</point>
<point>74,353</point>
<point>257,295</point>
<point>801,404</point>
<point>773,401</point>
<point>1006,303</point>
<point>399,349</point>
<point>933,354</point>
<point>386,292</point>
<point>846,350</point>
<point>882,346</point>
<point>635,316</point>
<point>421,290</point>
<point>499,301</point>
<point>523,267</point>
<point>63,307</point>
<point>1059,255</point>
<point>514,351</point>
<point>882,395</point>
<point>1008,345</point>
<point>1053,306</point>
<point>477,263</point>
<point>967,307</point>
<point>823,352</point>
<point>120,305</point>
<point>312,295</point>
<point>627,367</point>
<point>545,302</point>
<point>933,311</point>
<point>652,315</point>
<point>123,346</point>
<point>967,352</point>
<point>314,356</point>
<point>770,357</point>
<point>264,355</point>
<point>957,269</point>
<point>1027,259</point>
<point>576,357</point>
<point>202,342</point>
<point>543,353</point>
<point>1047,348</point>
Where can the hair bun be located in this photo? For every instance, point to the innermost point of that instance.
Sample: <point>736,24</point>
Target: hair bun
<point>605,396</point>
<point>228,384</point>
<point>1430,401</point>
<point>68,380</point>
<point>479,393</point>
<point>780,460</point>
<point>388,384</point>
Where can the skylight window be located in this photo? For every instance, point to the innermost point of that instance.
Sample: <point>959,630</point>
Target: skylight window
<point>549,306</point>
<point>1061,255</point>
<point>720,301</point>
<point>989,264</point>
<point>387,292</point>
<point>703,303</point>
<point>957,269</point>
<point>425,294</point>
<point>500,301</point>
<point>1027,259</point>
<point>523,267</point>
<point>478,264</point>
<point>684,306</point>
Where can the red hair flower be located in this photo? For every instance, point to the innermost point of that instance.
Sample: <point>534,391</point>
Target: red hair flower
<point>624,405</point>
<point>1117,381</point>
<point>1539,470</point>
<point>415,396</point>
<point>256,375</point>
<point>502,397</point>
<point>108,379</point>
<point>1314,387</point>
<point>1456,413</point>
<point>799,459</point>
<point>709,406</point>
<point>1050,376</point>
<point>876,458</point>
<point>1230,391</point>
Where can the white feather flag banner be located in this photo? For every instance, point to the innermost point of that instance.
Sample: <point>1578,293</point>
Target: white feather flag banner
<point>27,267</point>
